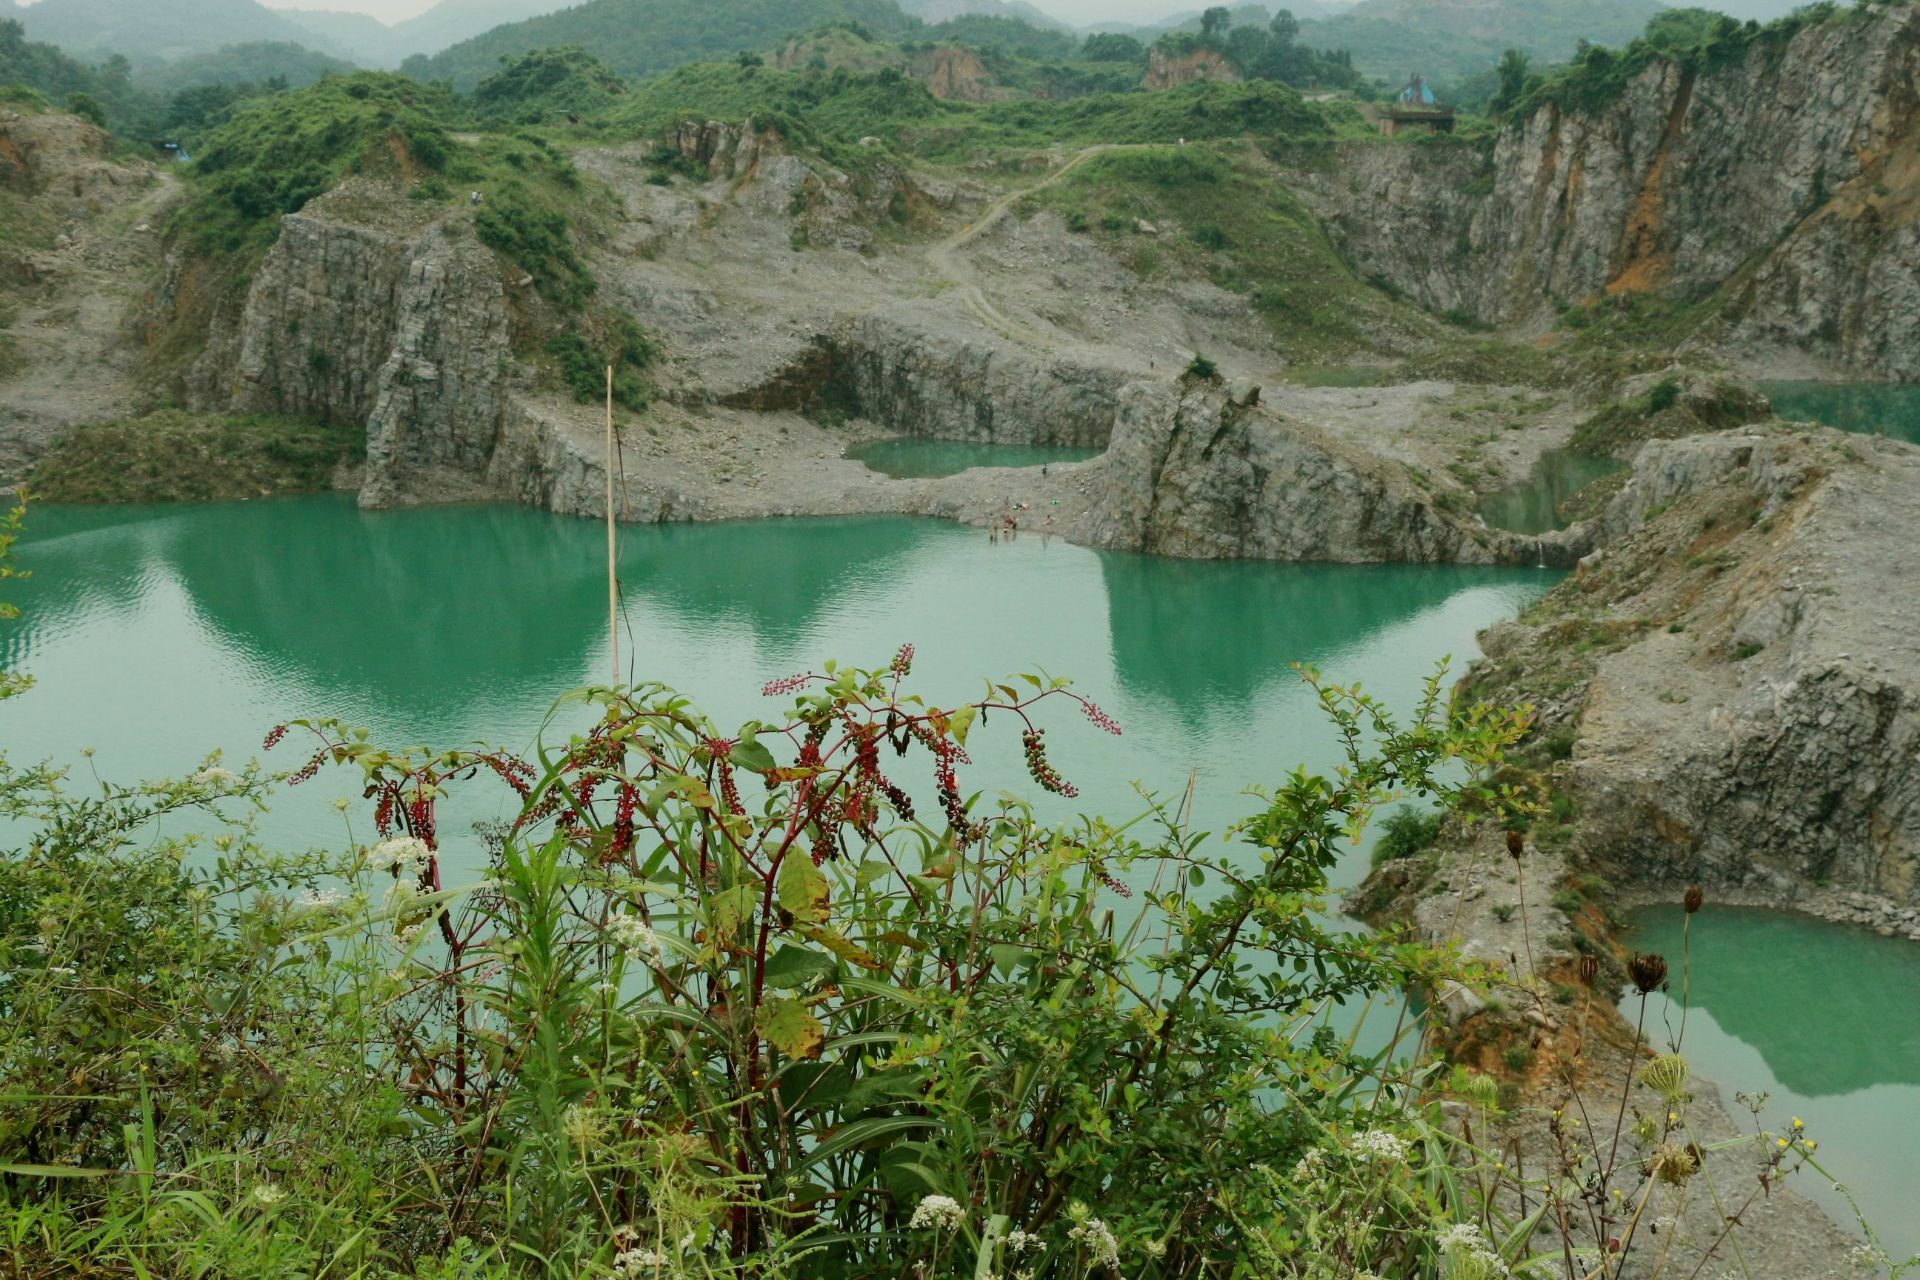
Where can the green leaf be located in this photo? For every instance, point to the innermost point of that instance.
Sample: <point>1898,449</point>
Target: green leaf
<point>731,910</point>
<point>791,968</point>
<point>801,890</point>
<point>789,1026</point>
<point>1006,957</point>
<point>751,755</point>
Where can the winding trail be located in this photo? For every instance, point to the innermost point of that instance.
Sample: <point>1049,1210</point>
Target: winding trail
<point>945,257</point>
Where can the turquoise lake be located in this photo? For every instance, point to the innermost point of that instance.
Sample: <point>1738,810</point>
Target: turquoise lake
<point>1533,505</point>
<point>158,634</point>
<point>1824,1018</point>
<point>1872,408</point>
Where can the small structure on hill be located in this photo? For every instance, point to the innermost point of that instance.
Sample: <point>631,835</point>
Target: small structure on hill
<point>1416,108</point>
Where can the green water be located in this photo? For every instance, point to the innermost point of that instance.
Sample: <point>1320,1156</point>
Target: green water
<point>1823,1017</point>
<point>1533,505</point>
<point>157,634</point>
<point>1871,408</point>
<point>925,459</point>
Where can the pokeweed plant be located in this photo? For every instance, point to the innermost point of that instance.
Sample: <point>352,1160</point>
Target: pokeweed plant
<point>727,998</point>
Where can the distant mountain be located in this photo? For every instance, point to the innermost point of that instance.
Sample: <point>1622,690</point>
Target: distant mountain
<point>1449,40</point>
<point>246,64</point>
<point>148,29</point>
<point>639,37</point>
<point>937,11</point>
<point>451,21</point>
<point>364,39</point>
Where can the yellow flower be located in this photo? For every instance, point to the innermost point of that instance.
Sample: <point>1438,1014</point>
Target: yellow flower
<point>1783,1142</point>
<point>1797,1124</point>
<point>1808,1143</point>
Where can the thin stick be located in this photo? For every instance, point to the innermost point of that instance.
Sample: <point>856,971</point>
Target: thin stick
<point>613,580</point>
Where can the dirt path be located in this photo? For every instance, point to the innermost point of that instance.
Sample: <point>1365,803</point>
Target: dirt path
<point>71,330</point>
<point>945,257</point>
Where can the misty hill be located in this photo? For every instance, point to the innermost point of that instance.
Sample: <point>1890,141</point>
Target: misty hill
<point>451,21</point>
<point>149,30</point>
<point>255,63</point>
<point>366,40</point>
<point>944,10</point>
<point>639,37</point>
<point>1452,39</point>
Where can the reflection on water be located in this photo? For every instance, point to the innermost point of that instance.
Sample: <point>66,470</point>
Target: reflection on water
<point>157,634</point>
<point>1533,505</point>
<point>1871,408</point>
<point>1823,1017</point>
<point>909,459</point>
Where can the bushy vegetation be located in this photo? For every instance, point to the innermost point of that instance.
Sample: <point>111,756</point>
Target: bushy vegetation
<point>1217,214</point>
<point>1269,52</point>
<point>831,112</point>
<point>274,64</point>
<point>1694,39</point>
<point>581,361</point>
<point>273,156</point>
<point>1406,833</point>
<point>1450,43</point>
<point>547,85</point>
<point>172,456</point>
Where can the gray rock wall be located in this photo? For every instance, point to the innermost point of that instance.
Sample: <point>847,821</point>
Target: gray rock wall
<point>1788,178</point>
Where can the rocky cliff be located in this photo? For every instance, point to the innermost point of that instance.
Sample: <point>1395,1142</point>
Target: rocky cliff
<point>1735,678</point>
<point>1167,70</point>
<point>370,312</point>
<point>1201,472</point>
<point>1785,182</point>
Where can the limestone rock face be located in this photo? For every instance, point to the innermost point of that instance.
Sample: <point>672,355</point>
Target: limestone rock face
<point>1191,473</point>
<point>1787,179</point>
<point>402,330</point>
<point>1753,722</point>
<point>1170,71</point>
<point>928,381</point>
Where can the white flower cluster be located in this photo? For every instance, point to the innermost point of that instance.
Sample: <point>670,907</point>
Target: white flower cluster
<point>1019,1242</point>
<point>1469,1256</point>
<point>638,1262</point>
<point>1378,1144</point>
<point>403,855</point>
<point>631,934</point>
<point>1310,1166</point>
<point>1097,1239</point>
<point>320,900</point>
<point>942,1213</point>
<point>266,1195</point>
<point>215,776</point>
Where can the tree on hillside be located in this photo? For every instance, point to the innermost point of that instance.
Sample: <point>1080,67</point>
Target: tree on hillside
<point>1513,82</point>
<point>1285,27</point>
<point>1110,46</point>
<point>1215,20</point>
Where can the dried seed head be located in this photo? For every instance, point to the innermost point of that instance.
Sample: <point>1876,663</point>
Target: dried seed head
<point>1516,845</point>
<point>1647,971</point>
<point>1694,899</point>
<point>1589,969</point>
<point>1673,1164</point>
<point>1666,1075</point>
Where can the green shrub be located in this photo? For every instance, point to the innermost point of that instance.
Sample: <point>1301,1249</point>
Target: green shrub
<point>532,233</point>
<point>1203,369</point>
<point>1407,833</point>
<point>172,456</point>
<point>582,364</point>
<point>730,982</point>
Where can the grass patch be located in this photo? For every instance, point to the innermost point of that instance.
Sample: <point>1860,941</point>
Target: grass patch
<point>172,456</point>
<point>1222,220</point>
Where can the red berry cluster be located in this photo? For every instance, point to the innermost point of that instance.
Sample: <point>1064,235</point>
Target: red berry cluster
<point>903,661</point>
<point>721,749</point>
<point>1034,741</point>
<point>784,685</point>
<point>1100,719</point>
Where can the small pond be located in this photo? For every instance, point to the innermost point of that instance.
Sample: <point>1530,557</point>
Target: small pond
<point>1533,505</point>
<point>1825,1019</point>
<point>1870,408</point>
<point>916,459</point>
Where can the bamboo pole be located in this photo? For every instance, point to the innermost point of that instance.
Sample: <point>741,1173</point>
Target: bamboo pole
<point>613,580</point>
